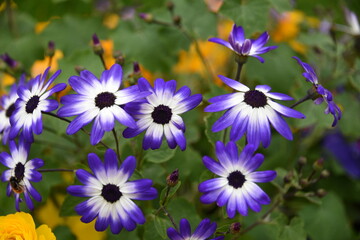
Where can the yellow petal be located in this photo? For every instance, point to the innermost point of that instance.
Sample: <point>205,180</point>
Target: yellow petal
<point>111,20</point>
<point>45,233</point>
<point>17,226</point>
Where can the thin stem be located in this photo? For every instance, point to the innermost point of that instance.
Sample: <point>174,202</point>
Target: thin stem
<point>50,60</point>
<point>68,121</point>
<point>56,170</point>
<point>304,99</point>
<point>103,61</point>
<point>117,145</point>
<point>11,20</point>
<point>166,196</point>
<point>276,204</point>
<point>170,217</point>
<point>239,68</point>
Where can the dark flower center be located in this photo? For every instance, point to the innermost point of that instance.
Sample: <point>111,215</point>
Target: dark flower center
<point>255,98</point>
<point>236,179</point>
<point>111,193</point>
<point>105,99</point>
<point>10,110</point>
<point>19,171</point>
<point>161,114</point>
<point>32,104</point>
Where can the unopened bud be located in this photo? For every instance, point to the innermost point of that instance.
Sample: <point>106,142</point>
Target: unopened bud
<point>97,48</point>
<point>170,5</point>
<point>173,178</point>
<point>177,20</point>
<point>136,68</point>
<point>50,51</point>
<point>304,182</point>
<point>321,193</point>
<point>147,17</point>
<point>9,61</point>
<point>318,164</point>
<point>79,69</point>
<point>119,58</point>
<point>324,173</point>
<point>235,228</point>
<point>288,177</point>
<point>302,161</point>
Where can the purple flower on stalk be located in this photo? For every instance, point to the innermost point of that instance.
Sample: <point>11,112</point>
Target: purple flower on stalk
<point>31,103</point>
<point>99,100</point>
<point>159,112</point>
<point>7,107</point>
<point>245,47</point>
<point>235,187</point>
<point>20,173</point>
<point>321,94</point>
<point>202,232</point>
<point>252,112</point>
<point>111,194</point>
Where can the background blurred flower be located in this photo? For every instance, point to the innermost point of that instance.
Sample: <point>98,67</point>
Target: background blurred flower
<point>21,226</point>
<point>202,232</point>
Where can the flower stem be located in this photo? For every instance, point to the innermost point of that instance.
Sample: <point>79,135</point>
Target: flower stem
<point>170,217</point>
<point>304,99</point>
<point>101,56</point>
<point>68,121</point>
<point>56,170</point>
<point>273,207</point>
<point>117,145</point>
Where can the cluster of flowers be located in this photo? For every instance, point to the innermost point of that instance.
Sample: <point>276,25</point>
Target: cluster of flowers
<point>157,110</point>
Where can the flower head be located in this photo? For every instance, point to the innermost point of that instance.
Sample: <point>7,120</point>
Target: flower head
<point>235,187</point>
<point>352,20</point>
<point>31,103</point>
<point>159,113</point>
<point>110,193</point>
<point>321,94</point>
<point>7,107</point>
<point>245,47</point>
<point>99,100</point>
<point>252,112</point>
<point>202,232</point>
<point>21,226</point>
<point>20,173</point>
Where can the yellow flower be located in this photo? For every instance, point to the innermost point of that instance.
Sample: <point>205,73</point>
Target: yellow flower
<point>111,20</point>
<point>39,66</point>
<point>21,226</point>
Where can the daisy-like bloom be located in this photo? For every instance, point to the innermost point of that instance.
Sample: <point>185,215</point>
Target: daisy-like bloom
<point>159,113</point>
<point>99,100</point>
<point>245,47</point>
<point>235,187</point>
<point>111,193</point>
<point>20,173</point>
<point>31,103</point>
<point>202,232</point>
<point>7,107</point>
<point>252,112</point>
<point>320,94</point>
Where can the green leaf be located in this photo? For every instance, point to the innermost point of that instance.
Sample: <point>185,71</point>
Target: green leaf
<point>161,226</point>
<point>293,231</point>
<point>172,191</point>
<point>181,208</point>
<point>210,119</point>
<point>159,155</point>
<point>251,15</point>
<point>63,232</point>
<point>68,207</point>
<point>327,221</point>
<point>280,5</point>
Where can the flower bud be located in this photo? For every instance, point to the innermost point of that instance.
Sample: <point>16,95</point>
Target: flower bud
<point>235,228</point>
<point>119,58</point>
<point>136,68</point>
<point>9,61</point>
<point>97,48</point>
<point>78,69</point>
<point>288,177</point>
<point>173,178</point>
<point>318,164</point>
<point>321,193</point>
<point>177,20</point>
<point>50,51</point>
<point>147,17</point>
<point>302,161</point>
<point>324,173</point>
<point>304,182</point>
<point>170,5</point>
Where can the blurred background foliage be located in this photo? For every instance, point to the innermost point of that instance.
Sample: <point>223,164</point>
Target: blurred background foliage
<point>175,47</point>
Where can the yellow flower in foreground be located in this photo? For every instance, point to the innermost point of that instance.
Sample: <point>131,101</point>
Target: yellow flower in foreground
<point>20,226</point>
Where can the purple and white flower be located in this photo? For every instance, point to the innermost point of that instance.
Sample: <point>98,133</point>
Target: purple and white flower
<point>7,107</point>
<point>31,103</point>
<point>235,187</point>
<point>20,173</point>
<point>321,93</point>
<point>202,232</point>
<point>99,100</point>
<point>111,194</point>
<point>245,47</point>
<point>251,112</point>
<point>159,112</point>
